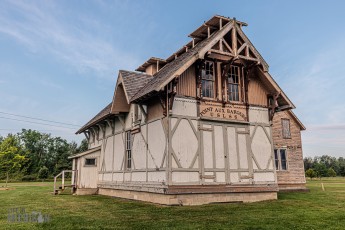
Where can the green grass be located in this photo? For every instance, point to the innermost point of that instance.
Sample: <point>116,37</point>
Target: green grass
<point>315,210</point>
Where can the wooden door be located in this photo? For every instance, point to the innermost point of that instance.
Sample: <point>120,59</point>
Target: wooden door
<point>225,154</point>
<point>238,157</point>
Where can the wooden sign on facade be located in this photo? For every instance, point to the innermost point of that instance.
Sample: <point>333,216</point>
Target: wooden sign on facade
<point>217,111</point>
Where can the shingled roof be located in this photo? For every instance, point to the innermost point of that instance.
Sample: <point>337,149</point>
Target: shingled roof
<point>169,69</point>
<point>133,81</point>
<point>100,116</point>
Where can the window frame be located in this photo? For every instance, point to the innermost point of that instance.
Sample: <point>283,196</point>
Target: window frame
<point>128,150</point>
<point>279,167</point>
<point>238,83</point>
<point>90,165</point>
<point>286,135</point>
<point>213,80</point>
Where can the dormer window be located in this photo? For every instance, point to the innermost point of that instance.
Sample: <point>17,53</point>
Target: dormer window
<point>208,79</point>
<point>234,83</point>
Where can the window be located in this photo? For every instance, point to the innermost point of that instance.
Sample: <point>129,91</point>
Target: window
<point>280,159</point>
<point>207,79</point>
<point>128,150</point>
<point>286,128</point>
<point>234,83</point>
<point>90,162</point>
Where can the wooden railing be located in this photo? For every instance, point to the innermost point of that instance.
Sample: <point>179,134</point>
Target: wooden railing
<point>62,174</point>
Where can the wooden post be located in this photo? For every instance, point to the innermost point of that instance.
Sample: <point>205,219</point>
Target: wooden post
<point>63,180</point>
<point>234,39</point>
<point>208,32</point>
<point>220,23</point>
<point>193,42</point>
<point>55,185</point>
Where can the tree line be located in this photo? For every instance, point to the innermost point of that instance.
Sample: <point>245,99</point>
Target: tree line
<point>30,155</point>
<point>324,166</point>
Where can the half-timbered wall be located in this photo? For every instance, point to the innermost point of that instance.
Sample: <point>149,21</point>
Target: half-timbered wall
<point>147,149</point>
<point>219,152</point>
<point>294,175</point>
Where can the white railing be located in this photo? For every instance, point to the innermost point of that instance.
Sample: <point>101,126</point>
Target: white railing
<point>62,174</point>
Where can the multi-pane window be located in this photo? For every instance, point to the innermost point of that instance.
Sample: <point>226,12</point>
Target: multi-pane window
<point>280,159</point>
<point>128,150</point>
<point>286,128</point>
<point>234,83</point>
<point>207,79</point>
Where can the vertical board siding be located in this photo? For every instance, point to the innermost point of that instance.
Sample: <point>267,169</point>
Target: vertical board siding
<point>120,102</point>
<point>257,94</point>
<point>187,83</point>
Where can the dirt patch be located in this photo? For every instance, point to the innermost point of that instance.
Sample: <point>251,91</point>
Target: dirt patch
<point>4,189</point>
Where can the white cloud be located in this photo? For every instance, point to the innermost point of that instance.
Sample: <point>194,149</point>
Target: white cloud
<point>42,27</point>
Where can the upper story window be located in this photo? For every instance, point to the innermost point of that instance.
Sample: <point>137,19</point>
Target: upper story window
<point>286,128</point>
<point>233,81</point>
<point>208,79</point>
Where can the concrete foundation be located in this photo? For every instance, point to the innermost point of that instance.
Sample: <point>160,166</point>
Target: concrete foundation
<point>189,199</point>
<point>87,191</point>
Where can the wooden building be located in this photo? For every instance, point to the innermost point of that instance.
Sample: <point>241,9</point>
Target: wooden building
<point>207,124</point>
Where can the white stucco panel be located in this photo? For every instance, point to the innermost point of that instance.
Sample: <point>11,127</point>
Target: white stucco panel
<point>258,115</point>
<point>108,154</point>
<point>261,147</point>
<point>264,177</point>
<point>180,177</point>
<point>185,107</point>
<point>118,151</point>
<point>219,146</point>
<point>156,143</point>
<point>184,143</point>
<point>232,148</point>
<point>139,151</point>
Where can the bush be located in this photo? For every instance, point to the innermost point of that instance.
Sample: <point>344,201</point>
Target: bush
<point>310,173</point>
<point>43,173</point>
<point>29,178</point>
<point>331,173</point>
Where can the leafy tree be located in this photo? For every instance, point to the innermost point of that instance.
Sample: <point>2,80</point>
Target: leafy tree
<point>310,173</point>
<point>36,145</point>
<point>308,163</point>
<point>43,173</point>
<point>11,156</point>
<point>331,172</point>
<point>84,145</point>
<point>321,170</point>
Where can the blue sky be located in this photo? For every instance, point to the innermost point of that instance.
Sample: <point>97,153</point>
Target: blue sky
<point>59,59</point>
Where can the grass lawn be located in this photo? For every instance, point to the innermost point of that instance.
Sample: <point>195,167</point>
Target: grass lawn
<point>315,210</point>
